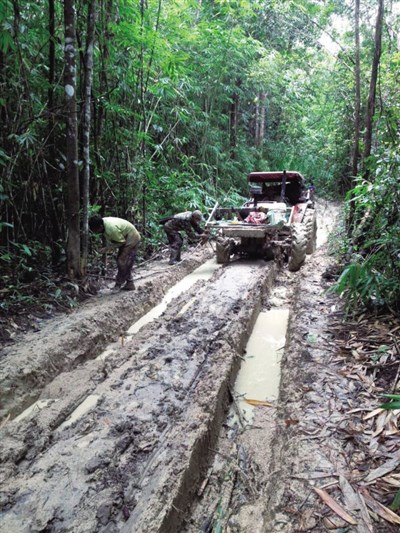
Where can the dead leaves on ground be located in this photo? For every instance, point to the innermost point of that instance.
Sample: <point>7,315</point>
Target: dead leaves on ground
<point>380,509</point>
<point>375,358</point>
<point>336,508</point>
<point>368,365</point>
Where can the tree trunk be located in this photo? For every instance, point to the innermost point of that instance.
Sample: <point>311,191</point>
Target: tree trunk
<point>72,172</point>
<point>234,121</point>
<point>357,107</point>
<point>257,123</point>
<point>143,7</point>
<point>357,112</point>
<point>261,129</point>
<point>49,164</point>
<point>374,76</point>
<point>86,130</point>
<point>104,54</point>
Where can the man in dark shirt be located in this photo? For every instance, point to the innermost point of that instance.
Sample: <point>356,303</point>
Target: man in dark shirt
<point>188,222</point>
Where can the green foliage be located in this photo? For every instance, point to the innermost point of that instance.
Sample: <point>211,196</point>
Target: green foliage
<point>372,277</point>
<point>394,402</point>
<point>360,285</point>
<point>179,90</point>
<point>23,259</point>
<point>395,505</point>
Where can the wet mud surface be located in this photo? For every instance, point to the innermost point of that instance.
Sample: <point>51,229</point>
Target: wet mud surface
<point>249,486</point>
<point>64,342</point>
<point>120,442</point>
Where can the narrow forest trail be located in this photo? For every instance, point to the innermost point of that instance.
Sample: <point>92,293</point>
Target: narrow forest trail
<point>134,435</point>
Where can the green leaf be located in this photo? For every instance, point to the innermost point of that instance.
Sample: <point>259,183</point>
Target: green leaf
<point>395,505</point>
<point>27,250</point>
<point>390,405</point>
<point>5,224</point>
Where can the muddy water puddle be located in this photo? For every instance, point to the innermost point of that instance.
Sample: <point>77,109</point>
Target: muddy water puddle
<point>203,273</point>
<point>259,376</point>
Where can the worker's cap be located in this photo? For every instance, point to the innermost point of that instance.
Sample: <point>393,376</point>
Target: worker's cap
<point>197,214</point>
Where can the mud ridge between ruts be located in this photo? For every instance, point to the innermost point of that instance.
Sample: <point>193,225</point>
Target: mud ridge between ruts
<point>310,393</point>
<point>148,419</point>
<point>65,342</point>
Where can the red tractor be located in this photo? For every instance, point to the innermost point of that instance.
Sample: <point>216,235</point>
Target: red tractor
<point>277,222</point>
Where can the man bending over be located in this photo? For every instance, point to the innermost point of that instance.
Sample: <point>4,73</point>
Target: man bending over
<point>187,222</point>
<point>121,234</point>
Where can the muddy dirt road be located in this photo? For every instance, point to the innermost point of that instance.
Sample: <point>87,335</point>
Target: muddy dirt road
<point>114,420</point>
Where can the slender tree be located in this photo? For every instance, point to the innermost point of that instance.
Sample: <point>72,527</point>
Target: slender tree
<point>374,77</point>
<point>259,118</point>
<point>357,114</point>
<point>234,119</point>
<point>72,168</point>
<point>50,166</point>
<point>357,106</point>
<point>86,130</point>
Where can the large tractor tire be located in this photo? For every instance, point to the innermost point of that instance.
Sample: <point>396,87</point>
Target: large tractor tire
<point>310,222</point>
<point>223,250</point>
<point>298,248</point>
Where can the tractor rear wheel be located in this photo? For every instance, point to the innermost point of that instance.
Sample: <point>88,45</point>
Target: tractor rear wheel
<point>310,222</point>
<point>298,247</point>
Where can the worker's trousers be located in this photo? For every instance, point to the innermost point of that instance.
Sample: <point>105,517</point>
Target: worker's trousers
<point>125,259</point>
<point>175,244</point>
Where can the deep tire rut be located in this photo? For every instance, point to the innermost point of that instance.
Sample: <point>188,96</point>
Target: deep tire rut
<point>63,344</point>
<point>124,442</point>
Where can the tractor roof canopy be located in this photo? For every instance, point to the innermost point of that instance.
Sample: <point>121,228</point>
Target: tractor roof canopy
<point>276,176</point>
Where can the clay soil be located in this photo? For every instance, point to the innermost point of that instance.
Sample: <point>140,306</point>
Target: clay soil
<point>130,432</point>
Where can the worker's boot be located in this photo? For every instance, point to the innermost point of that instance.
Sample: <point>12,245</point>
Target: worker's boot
<point>129,286</point>
<point>173,258</point>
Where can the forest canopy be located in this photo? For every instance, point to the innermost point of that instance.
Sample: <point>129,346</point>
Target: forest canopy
<point>142,108</point>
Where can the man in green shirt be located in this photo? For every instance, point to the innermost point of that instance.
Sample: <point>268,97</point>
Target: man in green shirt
<point>121,234</point>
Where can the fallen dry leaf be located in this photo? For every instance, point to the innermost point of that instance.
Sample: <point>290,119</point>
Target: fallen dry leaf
<point>373,413</point>
<point>290,422</point>
<point>384,469</point>
<point>313,475</point>
<point>380,509</point>
<point>333,524</point>
<point>259,402</point>
<point>392,480</point>
<point>330,502</point>
<point>380,423</point>
<point>351,497</point>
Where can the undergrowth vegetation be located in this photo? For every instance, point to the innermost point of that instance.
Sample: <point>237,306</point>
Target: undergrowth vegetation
<point>371,277</point>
